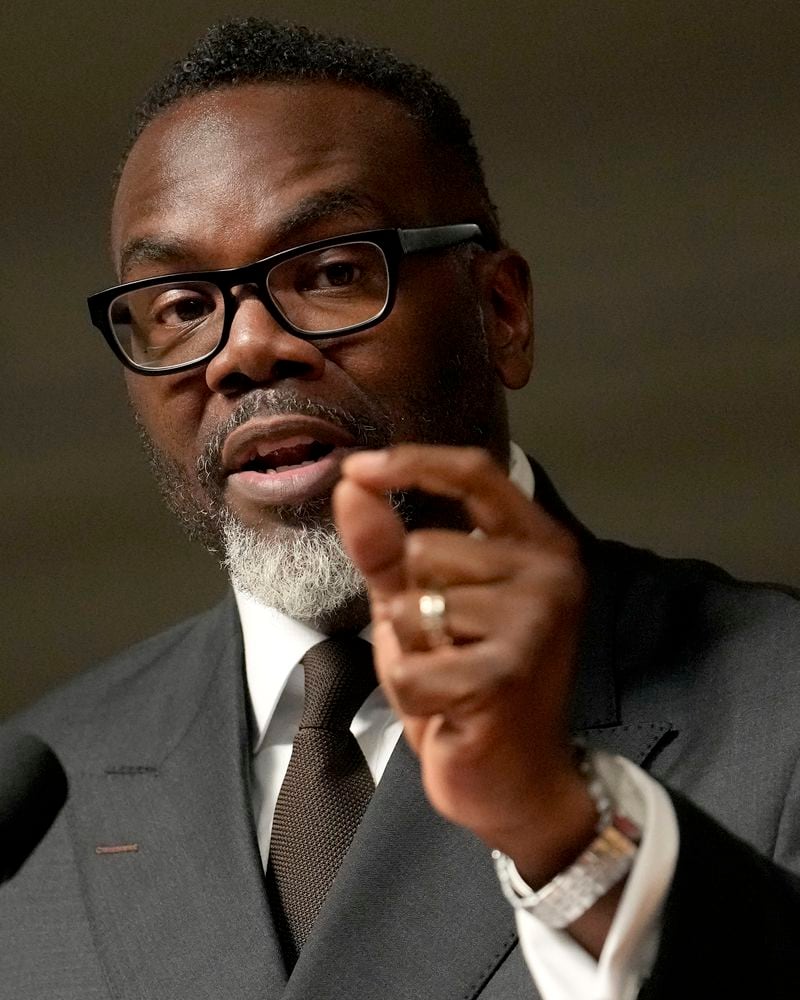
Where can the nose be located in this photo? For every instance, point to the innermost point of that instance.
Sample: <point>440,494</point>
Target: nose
<point>260,352</point>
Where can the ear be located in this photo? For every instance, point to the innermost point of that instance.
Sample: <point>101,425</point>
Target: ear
<point>507,304</point>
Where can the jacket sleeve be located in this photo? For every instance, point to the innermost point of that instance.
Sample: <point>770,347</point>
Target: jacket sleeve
<point>731,924</point>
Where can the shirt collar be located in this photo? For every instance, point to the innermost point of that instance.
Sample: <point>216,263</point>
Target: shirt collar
<point>519,470</point>
<point>274,643</point>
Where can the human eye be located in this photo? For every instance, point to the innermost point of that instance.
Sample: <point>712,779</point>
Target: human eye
<point>337,270</point>
<point>332,288</point>
<point>338,274</point>
<point>179,308</point>
<point>155,322</point>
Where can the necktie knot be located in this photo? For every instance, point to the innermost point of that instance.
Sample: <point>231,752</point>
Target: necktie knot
<point>338,677</point>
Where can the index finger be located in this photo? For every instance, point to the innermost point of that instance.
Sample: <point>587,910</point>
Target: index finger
<point>373,536</point>
<point>469,475</point>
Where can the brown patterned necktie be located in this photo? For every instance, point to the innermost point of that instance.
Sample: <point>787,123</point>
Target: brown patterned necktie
<point>326,790</point>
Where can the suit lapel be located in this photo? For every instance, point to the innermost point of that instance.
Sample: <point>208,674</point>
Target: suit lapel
<point>184,915</point>
<point>415,911</point>
<point>596,712</point>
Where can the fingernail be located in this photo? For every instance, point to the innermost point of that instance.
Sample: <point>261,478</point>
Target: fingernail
<point>366,461</point>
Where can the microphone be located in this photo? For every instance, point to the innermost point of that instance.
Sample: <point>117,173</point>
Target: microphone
<point>33,788</point>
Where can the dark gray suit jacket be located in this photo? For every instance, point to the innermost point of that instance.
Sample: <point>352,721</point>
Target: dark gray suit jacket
<point>684,670</point>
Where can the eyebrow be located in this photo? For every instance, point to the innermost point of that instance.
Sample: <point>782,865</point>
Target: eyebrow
<point>147,250</point>
<point>310,211</point>
<point>324,205</point>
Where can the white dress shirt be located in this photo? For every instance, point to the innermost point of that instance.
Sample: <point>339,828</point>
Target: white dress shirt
<point>273,648</point>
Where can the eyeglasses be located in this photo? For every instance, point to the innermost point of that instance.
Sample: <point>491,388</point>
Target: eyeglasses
<point>329,288</point>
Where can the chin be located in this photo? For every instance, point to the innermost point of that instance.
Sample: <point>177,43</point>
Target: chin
<point>315,513</point>
<point>301,569</point>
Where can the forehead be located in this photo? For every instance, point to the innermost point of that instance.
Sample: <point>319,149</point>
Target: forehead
<point>239,165</point>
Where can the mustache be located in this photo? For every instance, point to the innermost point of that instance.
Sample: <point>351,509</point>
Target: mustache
<point>368,430</point>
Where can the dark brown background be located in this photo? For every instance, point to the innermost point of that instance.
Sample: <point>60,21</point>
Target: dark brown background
<point>644,156</point>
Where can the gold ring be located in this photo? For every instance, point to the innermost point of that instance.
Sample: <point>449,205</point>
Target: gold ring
<point>432,611</point>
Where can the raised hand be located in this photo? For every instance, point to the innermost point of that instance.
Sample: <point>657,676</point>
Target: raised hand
<point>484,701</point>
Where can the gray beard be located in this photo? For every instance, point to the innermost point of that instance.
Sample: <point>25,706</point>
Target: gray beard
<point>299,566</point>
<point>302,571</point>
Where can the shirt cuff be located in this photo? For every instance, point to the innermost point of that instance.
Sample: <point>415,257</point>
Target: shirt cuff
<point>562,969</point>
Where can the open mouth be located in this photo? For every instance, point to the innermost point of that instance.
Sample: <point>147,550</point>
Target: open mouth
<point>270,461</point>
<point>287,459</point>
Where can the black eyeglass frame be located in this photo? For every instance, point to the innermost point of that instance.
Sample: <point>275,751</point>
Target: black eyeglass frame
<point>393,243</point>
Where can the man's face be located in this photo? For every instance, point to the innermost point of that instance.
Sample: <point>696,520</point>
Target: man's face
<point>232,176</point>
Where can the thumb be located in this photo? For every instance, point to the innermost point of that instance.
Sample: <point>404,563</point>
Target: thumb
<point>374,537</point>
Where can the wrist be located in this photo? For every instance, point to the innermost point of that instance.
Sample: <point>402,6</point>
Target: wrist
<point>597,873</point>
<point>550,833</point>
<point>564,829</point>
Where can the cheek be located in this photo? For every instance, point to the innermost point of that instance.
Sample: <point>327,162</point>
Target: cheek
<point>420,367</point>
<point>435,319</point>
<point>171,411</point>
<point>383,364</point>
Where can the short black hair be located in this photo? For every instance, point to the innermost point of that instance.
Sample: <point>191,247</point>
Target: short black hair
<point>256,50</point>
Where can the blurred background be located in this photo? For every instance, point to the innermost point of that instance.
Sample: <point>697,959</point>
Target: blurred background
<point>645,157</point>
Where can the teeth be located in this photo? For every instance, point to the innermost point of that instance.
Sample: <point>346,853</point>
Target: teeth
<point>285,468</point>
<point>264,448</point>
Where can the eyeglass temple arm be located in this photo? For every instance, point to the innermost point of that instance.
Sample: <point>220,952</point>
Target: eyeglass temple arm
<point>431,238</point>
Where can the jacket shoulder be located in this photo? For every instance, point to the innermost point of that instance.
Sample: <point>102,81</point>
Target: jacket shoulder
<point>644,578</point>
<point>104,690</point>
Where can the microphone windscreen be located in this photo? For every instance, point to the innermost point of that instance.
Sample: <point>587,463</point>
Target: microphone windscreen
<point>33,788</point>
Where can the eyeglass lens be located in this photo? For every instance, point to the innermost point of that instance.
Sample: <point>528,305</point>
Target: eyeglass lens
<point>328,290</point>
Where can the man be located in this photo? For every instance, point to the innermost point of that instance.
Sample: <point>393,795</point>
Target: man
<point>318,318</point>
